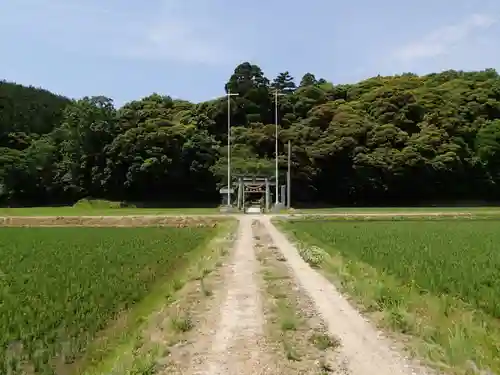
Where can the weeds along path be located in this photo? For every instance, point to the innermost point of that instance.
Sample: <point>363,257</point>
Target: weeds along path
<point>363,350</point>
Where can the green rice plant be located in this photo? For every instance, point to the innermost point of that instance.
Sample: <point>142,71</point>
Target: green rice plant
<point>452,257</point>
<point>437,282</point>
<point>60,287</point>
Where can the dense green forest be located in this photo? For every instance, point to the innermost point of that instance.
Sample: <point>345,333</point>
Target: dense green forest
<point>386,140</point>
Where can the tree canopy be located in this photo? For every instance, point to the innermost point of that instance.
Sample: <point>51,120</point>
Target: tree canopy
<point>386,140</point>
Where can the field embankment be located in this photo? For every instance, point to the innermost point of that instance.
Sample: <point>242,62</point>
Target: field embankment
<point>111,221</point>
<point>433,283</point>
<point>402,210</point>
<point>103,211</point>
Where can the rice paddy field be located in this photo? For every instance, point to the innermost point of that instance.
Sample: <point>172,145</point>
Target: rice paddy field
<point>435,279</point>
<point>456,257</point>
<point>60,287</point>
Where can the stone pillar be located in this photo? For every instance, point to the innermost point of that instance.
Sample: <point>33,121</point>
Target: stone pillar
<point>283,193</point>
<point>267,195</point>
<point>242,185</point>
<point>239,194</point>
<point>243,195</point>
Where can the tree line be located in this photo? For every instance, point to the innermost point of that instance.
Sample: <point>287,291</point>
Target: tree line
<point>402,139</point>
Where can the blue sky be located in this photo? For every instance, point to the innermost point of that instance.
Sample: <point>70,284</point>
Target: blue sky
<point>126,49</point>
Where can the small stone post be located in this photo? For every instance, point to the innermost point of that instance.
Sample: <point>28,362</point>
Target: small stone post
<point>267,195</point>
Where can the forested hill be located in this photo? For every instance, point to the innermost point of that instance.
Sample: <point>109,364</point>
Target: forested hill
<point>26,112</point>
<point>386,140</point>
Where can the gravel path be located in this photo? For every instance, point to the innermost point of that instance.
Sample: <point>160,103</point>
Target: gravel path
<point>238,346</point>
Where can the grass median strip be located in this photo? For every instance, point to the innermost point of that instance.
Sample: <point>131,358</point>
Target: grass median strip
<point>293,323</point>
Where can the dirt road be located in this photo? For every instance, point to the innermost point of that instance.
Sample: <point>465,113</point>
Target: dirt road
<point>238,339</point>
<point>238,345</point>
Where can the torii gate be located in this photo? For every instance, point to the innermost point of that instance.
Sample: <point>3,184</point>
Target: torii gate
<point>251,185</point>
<point>245,185</point>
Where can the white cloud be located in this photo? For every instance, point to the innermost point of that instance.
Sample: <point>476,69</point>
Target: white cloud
<point>165,30</point>
<point>442,40</point>
<point>176,40</point>
<point>178,34</point>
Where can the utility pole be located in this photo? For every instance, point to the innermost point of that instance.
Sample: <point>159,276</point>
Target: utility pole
<point>229,94</point>
<point>276,94</point>
<point>288,176</point>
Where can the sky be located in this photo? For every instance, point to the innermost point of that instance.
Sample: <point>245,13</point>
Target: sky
<point>188,49</point>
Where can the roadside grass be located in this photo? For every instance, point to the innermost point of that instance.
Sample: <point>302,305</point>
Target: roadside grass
<point>377,268</point>
<point>286,318</point>
<point>323,341</point>
<point>182,323</point>
<point>166,312</point>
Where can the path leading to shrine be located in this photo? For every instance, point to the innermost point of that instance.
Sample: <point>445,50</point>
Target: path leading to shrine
<point>273,314</point>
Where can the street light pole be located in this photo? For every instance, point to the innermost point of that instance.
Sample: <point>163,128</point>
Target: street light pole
<point>276,94</point>
<point>229,94</point>
<point>289,177</point>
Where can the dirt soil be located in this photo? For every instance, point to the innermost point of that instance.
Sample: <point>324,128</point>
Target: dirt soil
<point>237,344</point>
<point>229,337</point>
<point>184,220</point>
<point>110,221</point>
<point>369,215</point>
